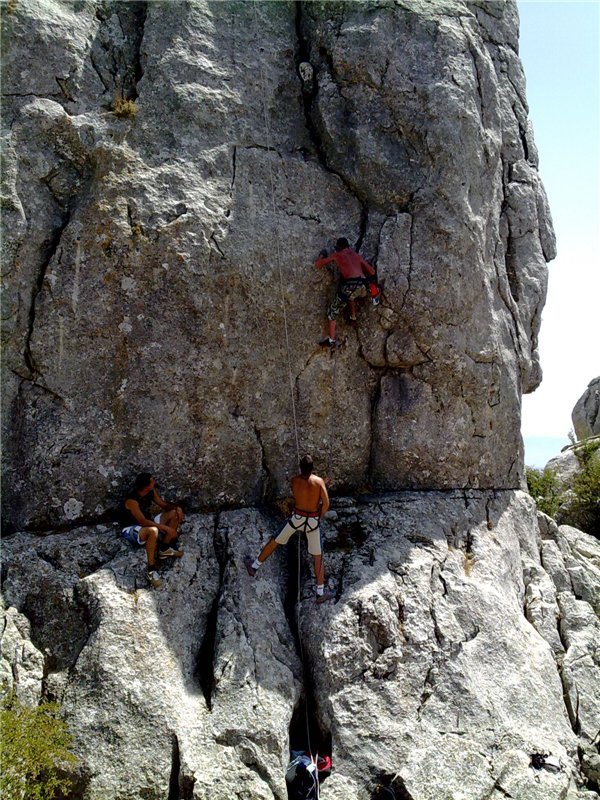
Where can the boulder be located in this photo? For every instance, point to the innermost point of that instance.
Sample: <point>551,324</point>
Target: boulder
<point>586,414</point>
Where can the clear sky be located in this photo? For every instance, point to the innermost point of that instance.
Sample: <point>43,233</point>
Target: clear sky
<point>559,48</point>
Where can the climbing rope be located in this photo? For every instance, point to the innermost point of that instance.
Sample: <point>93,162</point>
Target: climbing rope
<point>314,759</point>
<point>277,245</point>
<point>289,363</point>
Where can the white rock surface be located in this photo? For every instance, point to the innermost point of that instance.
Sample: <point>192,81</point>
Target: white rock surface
<point>440,668</point>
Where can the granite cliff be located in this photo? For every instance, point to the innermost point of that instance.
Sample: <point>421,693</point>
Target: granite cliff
<point>171,172</point>
<point>144,302</point>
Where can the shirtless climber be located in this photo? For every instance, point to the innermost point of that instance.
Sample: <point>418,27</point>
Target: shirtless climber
<point>142,529</point>
<point>312,502</point>
<point>356,275</point>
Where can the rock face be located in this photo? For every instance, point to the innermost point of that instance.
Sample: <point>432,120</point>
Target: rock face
<point>586,414</point>
<point>151,258</point>
<point>172,170</point>
<point>463,640</point>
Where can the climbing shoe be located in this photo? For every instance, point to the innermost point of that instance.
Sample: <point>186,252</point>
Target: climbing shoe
<point>375,301</point>
<point>323,598</point>
<point>170,552</point>
<point>331,343</point>
<point>248,563</point>
<point>153,578</point>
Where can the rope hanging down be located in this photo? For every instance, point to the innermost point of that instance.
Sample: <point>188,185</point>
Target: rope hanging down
<point>277,246</point>
<point>287,344</point>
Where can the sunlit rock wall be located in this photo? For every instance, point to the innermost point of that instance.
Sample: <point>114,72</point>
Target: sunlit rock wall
<point>149,258</point>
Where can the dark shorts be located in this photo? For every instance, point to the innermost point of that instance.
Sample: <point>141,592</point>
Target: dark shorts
<point>132,532</point>
<point>347,290</point>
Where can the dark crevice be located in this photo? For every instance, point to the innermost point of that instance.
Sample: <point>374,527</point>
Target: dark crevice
<point>375,399</point>
<point>511,262</point>
<point>141,11</point>
<point>216,244</point>
<point>523,137</point>
<point>309,91</point>
<point>175,766</point>
<point>35,382</point>
<point>119,65</point>
<point>51,248</point>
<point>233,168</point>
<point>266,487</point>
<point>498,788</point>
<point>364,223</point>
<point>181,787</point>
<point>389,787</point>
<point>205,663</point>
<point>305,732</point>
<point>204,672</point>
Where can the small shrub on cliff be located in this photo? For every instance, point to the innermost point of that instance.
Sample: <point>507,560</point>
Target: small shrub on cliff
<point>544,488</point>
<point>124,108</point>
<point>35,752</point>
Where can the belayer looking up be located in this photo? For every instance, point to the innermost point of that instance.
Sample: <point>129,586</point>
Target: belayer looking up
<point>312,502</point>
<point>356,275</point>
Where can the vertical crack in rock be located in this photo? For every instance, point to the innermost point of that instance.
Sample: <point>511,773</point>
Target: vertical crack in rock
<point>175,767</point>
<point>206,654</point>
<point>233,168</point>
<point>52,248</point>
<point>118,64</point>
<point>364,224</point>
<point>410,264</point>
<point>140,11</point>
<point>265,487</point>
<point>515,333</point>
<point>375,399</point>
<point>572,713</point>
<point>181,787</point>
<point>510,262</point>
<point>305,732</point>
<point>308,94</point>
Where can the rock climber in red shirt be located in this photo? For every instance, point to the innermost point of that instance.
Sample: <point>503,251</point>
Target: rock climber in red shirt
<point>356,277</point>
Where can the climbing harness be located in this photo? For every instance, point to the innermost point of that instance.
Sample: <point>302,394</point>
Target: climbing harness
<point>277,245</point>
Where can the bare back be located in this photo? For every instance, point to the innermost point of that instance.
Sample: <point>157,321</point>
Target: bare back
<point>310,494</point>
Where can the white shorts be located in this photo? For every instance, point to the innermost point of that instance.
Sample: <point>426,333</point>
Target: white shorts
<point>303,524</point>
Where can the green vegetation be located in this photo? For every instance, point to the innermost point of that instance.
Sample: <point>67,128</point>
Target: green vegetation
<point>36,753</point>
<point>585,504</point>
<point>544,488</point>
<point>577,504</point>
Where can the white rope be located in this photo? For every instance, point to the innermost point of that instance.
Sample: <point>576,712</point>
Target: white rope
<point>277,246</point>
<point>290,374</point>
